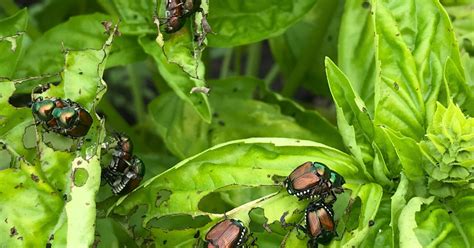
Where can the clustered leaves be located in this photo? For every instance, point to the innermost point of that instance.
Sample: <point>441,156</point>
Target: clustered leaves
<point>400,75</point>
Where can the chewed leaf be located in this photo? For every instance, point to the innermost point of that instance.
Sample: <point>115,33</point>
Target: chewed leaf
<point>12,30</point>
<point>179,80</point>
<point>251,162</point>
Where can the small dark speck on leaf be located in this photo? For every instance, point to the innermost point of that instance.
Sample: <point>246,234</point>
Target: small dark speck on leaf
<point>19,186</point>
<point>6,220</point>
<point>165,241</point>
<point>397,34</point>
<point>79,162</point>
<point>80,91</point>
<point>234,90</point>
<point>34,178</point>
<point>80,73</point>
<point>396,86</point>
<point>365,5</point>
<point>13,232</point>
<point>48,245</point>
<point>329,38</point>
<point>197,234</point>
<point>371,222</point>
<point>450,212</point>
<point>215,115</point>
<point>222,123</point>
<point>269,176</point>
<point>20,238</point>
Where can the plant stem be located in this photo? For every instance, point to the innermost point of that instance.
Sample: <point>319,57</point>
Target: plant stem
<point>238,61</point>
<point>253,59</point>
<point>136,87</point>
<point>316,38</point>
<point>225,67</point>
<point>271,75</point>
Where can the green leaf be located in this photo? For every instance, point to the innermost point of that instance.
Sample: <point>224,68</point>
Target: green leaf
<point>239,23</point>
<point>72,176</point>
<point>427,31</point>
<point>356,53</point>
<point>21,197</point>
<point>80,32</point>
<point>231,164</point>
<point>449,159</point>
<point>370,196</point>
<point>179,80</point>
<point>12,30</point>
<point>409,154</point>
<point>301,50</point>
<point>137,15</point>
<point>407,223</point>
<point>398,94</point>
<point>354,122</point>
<point>399,200</point>
<point>177,123</point>
<point>457,87</point>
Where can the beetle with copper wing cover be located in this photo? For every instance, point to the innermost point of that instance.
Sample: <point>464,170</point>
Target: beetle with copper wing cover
<point>314,179</point>
<point>320,226</point>
<point>228,233</point>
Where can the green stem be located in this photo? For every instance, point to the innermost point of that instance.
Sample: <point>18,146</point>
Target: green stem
<point>271,75</point>
<point>306,60</point>
<point>237,61</point>
<point>253,59</point>
<point>225,67</point>
<point>136,87</point>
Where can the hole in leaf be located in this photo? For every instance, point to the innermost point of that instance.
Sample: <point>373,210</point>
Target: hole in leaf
<point>80,177</point>
<point>179,222</point>
<point>228,198</point>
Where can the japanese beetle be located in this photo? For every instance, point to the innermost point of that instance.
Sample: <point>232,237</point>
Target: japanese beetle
<point>123,182</point>
<point>311,180</point>
<point>72,121</point>
<point>227,234</point>
<point>320,226</point>
<point>122,153</point>
<point>42,110</point>
<point>174,16</point>
<point>191,7</point>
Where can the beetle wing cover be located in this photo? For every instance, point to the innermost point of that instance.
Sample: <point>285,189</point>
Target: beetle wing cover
<point>313,224</point>
<point>306,181</point>
<point>327,223</point>
<point>301,170</point>
<point>224,234</point>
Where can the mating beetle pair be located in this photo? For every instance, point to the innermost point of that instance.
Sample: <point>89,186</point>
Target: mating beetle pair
<point>177,11</point>
<point>125,170</point>
<point>316,180</point>
<point>65,117</point>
